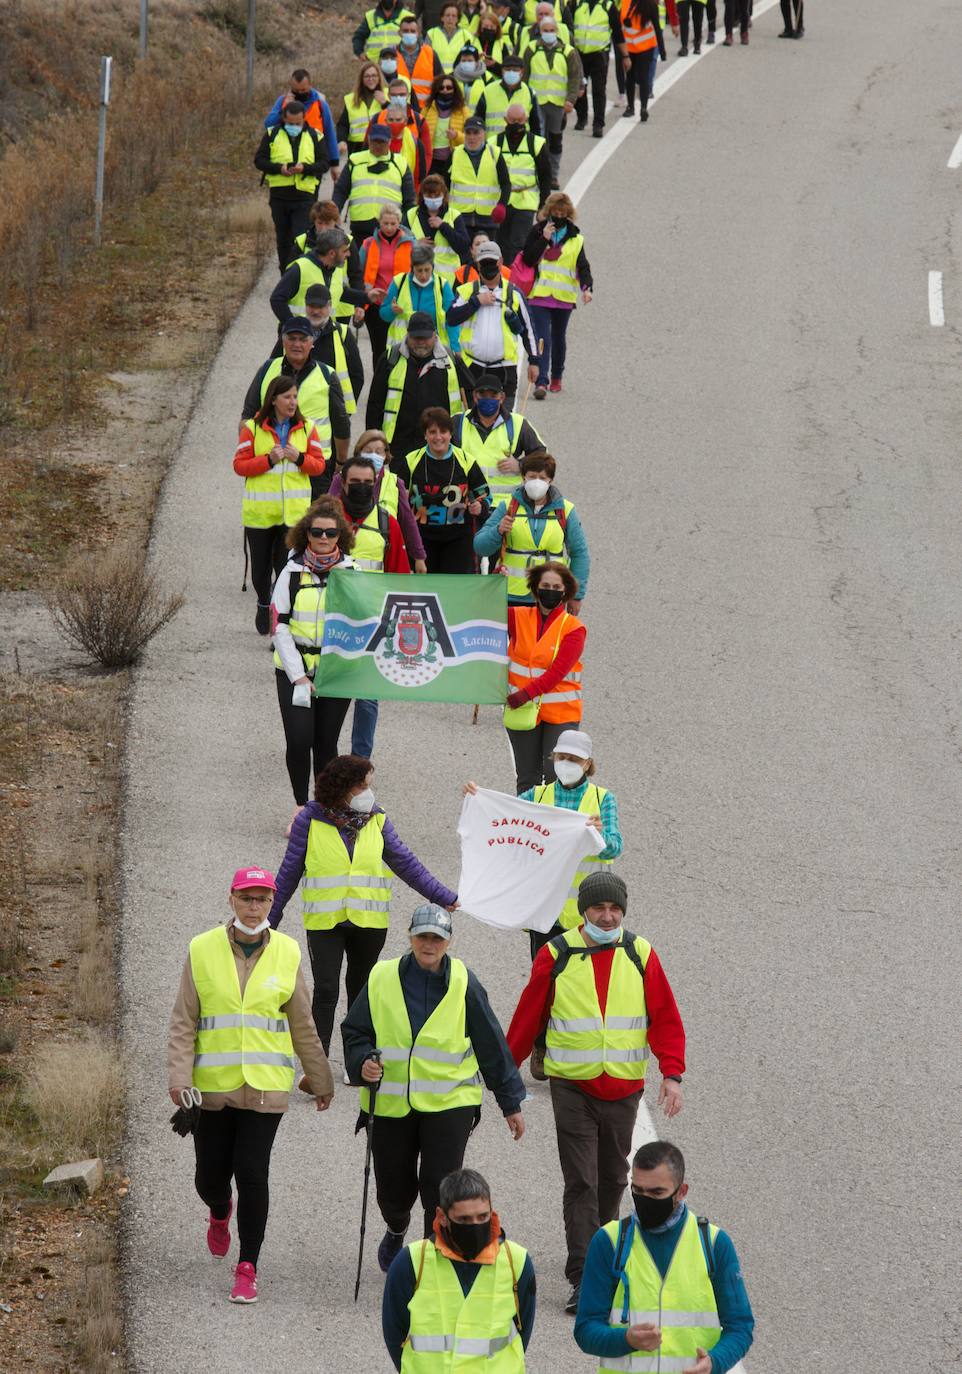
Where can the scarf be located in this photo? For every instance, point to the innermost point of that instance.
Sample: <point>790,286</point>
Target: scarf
<point>345,818</point>
<point>320,562</point>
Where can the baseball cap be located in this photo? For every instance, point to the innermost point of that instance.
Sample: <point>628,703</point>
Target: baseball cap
<point>420,325</point>
<point>297,325</point>
<point>252,877</point>
<point>574,742</point>
<point>317,295</point>
<point>488,381</point>
<point>431,919</point>
<point>378,131</point>
<point>488,250</point>
<point>474,122</point>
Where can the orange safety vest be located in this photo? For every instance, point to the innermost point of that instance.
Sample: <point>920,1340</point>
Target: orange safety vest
<point>637,39</point>
<point>562,705</point>
<point>421,75</point>
<point>402,259</point>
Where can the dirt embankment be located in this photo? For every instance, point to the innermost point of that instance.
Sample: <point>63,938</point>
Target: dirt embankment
<point>102,354</point>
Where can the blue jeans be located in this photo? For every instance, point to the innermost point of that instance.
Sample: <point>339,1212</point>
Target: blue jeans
<point>550,326</point>
<point>362,731</point>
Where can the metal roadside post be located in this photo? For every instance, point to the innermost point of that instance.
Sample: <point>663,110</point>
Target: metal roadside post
<point>105,65</point>
<point>142,44</point>
<point>251,25</point>
<point>369,1128</point>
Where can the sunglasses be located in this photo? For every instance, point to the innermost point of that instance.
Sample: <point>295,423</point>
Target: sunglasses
<point>323,531</point>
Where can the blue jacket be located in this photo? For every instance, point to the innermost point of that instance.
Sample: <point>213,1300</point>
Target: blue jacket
<point>399,1290</point>
<point>330,132</point>
<point>422,298</point>
<point>593,1330</point>
<point>487,541</point>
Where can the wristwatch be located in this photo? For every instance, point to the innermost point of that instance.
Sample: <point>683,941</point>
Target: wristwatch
<point>672,1078</point>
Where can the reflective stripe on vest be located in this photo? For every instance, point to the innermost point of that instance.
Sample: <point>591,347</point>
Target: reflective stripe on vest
<point>282,152</point>
<point>370,545</point>
<point>533,649</point>
<point>590,805</point>
<point>446,259</point>
<point>509,341</point>
<point>372,190</point>
<point>282,494</point>
<point>559,278</point>
<point>384,33</point>
<point>487,447</point>
<point>243,1039</point>
<point>389,497</point>
<point>548,75</point>
<point>306,621</point>
<point>447,49</point>
<point>592,27</point>
<point>439,1069</point>
<point>341,371</point>
<point>421,75</point>
<point>522,168</point>
<point>522,552</point>
<point>359,116</point>
<point>336,887</point>
<point>399,325</point>
<point>581,1042</point>
<point>497,98</point>
<point>638,37</point>
<point>682,1303</point>
<point>466,1329</point>
<point>313,274</point>
<point>395,390</point>
<point>313,398</point>
<point>473,192</point>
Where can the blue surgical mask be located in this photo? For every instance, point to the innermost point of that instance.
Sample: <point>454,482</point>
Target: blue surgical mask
<point>376,458</point>
<point>389,66</point>
<point>488,405</point>
<point>549,39</point>
<point>602,937</point>
<point>466,69</point>
<point>433,202</point>
<point>409,39</point>
<point>292,130</point>
<point>510,76</point>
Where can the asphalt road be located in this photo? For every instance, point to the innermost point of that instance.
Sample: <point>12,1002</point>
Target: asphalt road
<point>760,430</point>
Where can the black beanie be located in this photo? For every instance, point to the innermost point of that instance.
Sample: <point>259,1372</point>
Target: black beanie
<point>602,887</point>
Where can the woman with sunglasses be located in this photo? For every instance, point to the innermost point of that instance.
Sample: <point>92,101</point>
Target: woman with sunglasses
<point>320,542</point>
<point>444,113</point>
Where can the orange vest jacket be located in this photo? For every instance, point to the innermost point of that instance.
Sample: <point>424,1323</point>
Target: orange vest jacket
<point>530,657</point>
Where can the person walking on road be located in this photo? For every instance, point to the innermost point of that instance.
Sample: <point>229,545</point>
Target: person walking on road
<point>495,437</point>
<point>444,114</point>
<point>447,37</point>
<point>420,289</point>
<point>596,26</point>
<point>320,398</point>
<point>525,155</point>
<point>480,186</point>
<point>409,378</point>
<point>320,265</point>
<point>793,17</point>
<point>466,1293</point>
<point>737,12</point>
<point>449,495</point>
<point>643,44</point>
<point>433,224</point>
<point>553,71</point>
<point>390,492</point>
<point>371,180</point>
<point>691,13</point>
<point>384,255</point>
<point>490,317</point>
<point>277,454</point>
<point>663,1288</point>
<point>361,105</point>
<point>428,1018</point>
<point>242,1012</point>
<point>334,344</point>
<point>556,249</point>
<point>317,113</point>
<point>535,524</point>
<point>292,159</point>
<point>343,850</point>
<point>380,28</point>
<point>602,996</point>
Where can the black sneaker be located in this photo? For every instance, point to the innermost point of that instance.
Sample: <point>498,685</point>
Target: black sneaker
<point>643,117</point>
<point>598,131</point>
<point>262,619</point>
<point>389,1249</point>
<point>683,51</point>
<point>787,33</point>
<point>628,112</point>
<point>572,1304</point>
<point>580,125</point>
<point>696,49</point>
<point>711,38</point>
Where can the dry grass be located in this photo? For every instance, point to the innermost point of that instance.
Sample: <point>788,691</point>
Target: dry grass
<point>76,1093</point>
<point>112,608</point>
<point>98,1306</point>
<point>94,989</point>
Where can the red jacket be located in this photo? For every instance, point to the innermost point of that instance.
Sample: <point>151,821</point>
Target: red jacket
<point>569,651</point>
<point>247,465</point>
<point>396,554</point>
<point>666,1034</point>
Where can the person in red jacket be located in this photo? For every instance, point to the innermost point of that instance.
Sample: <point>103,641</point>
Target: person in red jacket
<point>596,1063</point>
<point>357,498</point>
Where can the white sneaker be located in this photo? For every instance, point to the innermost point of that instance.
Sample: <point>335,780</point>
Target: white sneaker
<point>346,1080</point>
<point>620,102</point>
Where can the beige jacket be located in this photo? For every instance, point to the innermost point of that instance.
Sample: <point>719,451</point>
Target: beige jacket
<point>307,1047</point>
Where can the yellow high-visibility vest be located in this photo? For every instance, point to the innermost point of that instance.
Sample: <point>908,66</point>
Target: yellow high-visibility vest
<point>583,1043</point>
<point>282,494</point>
<point>283,152</point>
<point>337,887</point>
<point>559,278</point>
<point>590,805</point>
<point>451,1331</point>
<point>474,192</point>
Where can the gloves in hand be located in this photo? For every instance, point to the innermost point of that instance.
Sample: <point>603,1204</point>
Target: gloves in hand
<point>301,695</point>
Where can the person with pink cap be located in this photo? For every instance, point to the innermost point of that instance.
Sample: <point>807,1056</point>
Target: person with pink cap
<point>242,1013</point>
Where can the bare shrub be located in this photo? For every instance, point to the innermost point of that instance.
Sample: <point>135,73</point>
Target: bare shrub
<point>76,1093</point>
<point>98,1305</point>
<point>112,607</point>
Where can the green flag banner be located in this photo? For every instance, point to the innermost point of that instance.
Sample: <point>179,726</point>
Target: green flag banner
<point>414,637</point>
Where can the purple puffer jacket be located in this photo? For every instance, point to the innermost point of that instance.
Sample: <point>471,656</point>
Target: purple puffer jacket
<point>399,859</point>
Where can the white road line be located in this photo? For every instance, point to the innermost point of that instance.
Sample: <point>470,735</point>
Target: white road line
<point>936,304</point>
<point>613,139</point>
<point>955,158</point>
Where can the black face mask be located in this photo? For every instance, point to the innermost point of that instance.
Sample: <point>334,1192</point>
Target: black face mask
<point>489,267</point>
<point>653,1211</point>
<point>359,497</point>
<point>551,597</point>
<point>468,1237</point>
<point>516,133</point>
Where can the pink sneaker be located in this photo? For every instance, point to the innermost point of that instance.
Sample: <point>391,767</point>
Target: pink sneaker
<point>218,1233</point>
<point>555,384</point>
<point>245,1283</point>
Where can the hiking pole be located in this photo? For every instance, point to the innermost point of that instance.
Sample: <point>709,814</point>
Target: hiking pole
<point>368,1126</point>
<point>528,392</point>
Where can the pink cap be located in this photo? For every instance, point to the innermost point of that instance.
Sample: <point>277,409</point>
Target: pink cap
<point>253,877</point>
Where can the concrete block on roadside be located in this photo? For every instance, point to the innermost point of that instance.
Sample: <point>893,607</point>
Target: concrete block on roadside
<point>82,1176</point>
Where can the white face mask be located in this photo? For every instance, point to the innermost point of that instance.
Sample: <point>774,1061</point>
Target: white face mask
<point>250,930</point>
<point>549,39</point>
<point>434,202</point>
<point>364,801</point>
<point>568,773</point>
<point>536,488</point>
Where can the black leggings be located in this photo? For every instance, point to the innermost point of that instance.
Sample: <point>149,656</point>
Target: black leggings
<point>234,1143</point>
<point>696,11</point>
<point>308,730</point>
<point>595,68</point>
<point>639,77</point>
<point>532,751</point>
<point>412,1154</point>
<point>793,23</point>
<point>736,14</point>
<point>327,949</point>
<point>450,555</point>
<point>377,330</point>
<point>268,554</point>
